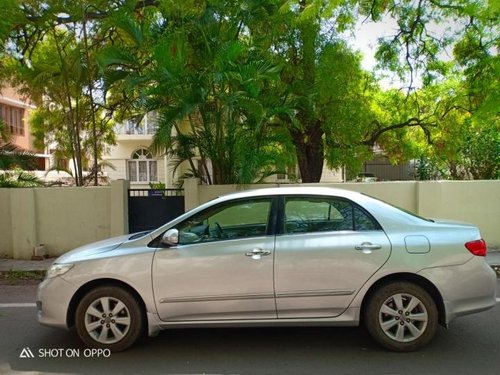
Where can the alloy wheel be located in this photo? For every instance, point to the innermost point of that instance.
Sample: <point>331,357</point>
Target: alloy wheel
<point>107,320</point>
<point>403,317</point>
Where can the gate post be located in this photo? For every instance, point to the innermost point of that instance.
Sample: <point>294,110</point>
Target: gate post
<point>119,207</point>
<point>191,193</point>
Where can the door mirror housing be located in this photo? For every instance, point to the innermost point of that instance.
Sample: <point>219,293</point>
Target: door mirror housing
<point>170,237</point>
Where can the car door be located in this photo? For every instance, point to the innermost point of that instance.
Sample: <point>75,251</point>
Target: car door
<point>327,249</point>
<point>222,267</point>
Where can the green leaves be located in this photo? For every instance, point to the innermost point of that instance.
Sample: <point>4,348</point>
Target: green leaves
<point>12,16</point>
<point>129,31</point>
<point>12,156</point>
<point>19,179</point>
<point>251,86</point>
<point>115,55</point>
<point>212,93</point>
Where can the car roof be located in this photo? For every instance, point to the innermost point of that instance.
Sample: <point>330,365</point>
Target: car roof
<point>292,190</point>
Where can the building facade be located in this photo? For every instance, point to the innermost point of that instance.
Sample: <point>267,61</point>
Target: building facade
<point>14,112</point>
<point>130,159</point>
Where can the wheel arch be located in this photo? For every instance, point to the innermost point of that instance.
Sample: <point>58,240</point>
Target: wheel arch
<point>85,288</point>
<point>424,283</point>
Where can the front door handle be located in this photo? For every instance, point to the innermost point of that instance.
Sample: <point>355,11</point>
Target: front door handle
<point>367,246</point>
<point>257,253</point>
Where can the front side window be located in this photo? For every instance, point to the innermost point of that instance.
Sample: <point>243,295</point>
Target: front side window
<point>240,219</point>
<point>324,214</point>
<point>142,167</point>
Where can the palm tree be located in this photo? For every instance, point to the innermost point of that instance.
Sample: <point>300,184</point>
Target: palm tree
<point>12,162</point>
<point>12,156</point>
<point>226,119</point>
<point>212,93</point>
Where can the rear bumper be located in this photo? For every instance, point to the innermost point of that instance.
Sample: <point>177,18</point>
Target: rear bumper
<point>466,289</point>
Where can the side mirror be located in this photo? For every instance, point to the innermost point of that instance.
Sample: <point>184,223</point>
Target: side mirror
<point>170,237</point>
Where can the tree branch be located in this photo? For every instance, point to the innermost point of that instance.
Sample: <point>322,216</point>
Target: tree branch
<point>88,15</point>
<point>412,122</point>
<point>441,5</point>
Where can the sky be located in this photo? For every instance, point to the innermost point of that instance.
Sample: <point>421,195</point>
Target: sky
<point>365,37</point>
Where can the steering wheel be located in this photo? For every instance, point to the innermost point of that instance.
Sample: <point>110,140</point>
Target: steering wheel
<point>218,230</point>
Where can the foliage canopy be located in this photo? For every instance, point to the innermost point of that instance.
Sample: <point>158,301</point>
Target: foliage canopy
<point>247,88</point>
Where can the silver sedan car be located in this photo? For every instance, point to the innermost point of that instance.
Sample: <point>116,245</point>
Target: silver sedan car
<point>274,257</point>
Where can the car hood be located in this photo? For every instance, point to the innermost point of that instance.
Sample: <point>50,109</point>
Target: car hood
<point>88,251</point>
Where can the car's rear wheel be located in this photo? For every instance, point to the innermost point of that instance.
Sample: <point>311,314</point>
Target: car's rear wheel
<point>109,317</point>
<point>401,316</point>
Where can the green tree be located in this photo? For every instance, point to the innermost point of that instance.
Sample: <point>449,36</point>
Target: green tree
<point>303,38</point>
<point>461,96</point>
<point>213,92</point>
<point>13,162</point>
<point>10,155</point>
<point>57,79</point>
<point>50,54</point>
<point>322,79</point>
<point>465,142</point>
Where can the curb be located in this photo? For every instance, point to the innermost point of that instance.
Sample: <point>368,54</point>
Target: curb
<point>17,265</point>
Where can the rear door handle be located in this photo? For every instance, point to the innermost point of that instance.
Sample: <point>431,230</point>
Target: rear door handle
<point>368,246</point>
<point>257,253</point>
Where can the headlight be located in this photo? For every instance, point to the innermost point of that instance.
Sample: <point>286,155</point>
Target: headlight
<point>58,270</point>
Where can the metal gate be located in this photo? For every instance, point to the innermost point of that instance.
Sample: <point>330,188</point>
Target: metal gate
<point>150,208</point>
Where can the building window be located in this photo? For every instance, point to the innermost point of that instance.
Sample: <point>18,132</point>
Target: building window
<point>142,167</point>
<point>13,118</point>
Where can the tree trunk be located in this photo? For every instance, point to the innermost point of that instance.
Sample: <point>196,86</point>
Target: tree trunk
<point>310,155</point>
<point>308,139</point>
<point>95,153</point>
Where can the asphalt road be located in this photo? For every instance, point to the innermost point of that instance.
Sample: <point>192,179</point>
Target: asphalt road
<point>470,346</point>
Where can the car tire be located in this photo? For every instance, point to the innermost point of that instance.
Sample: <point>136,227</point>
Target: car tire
<point>109,317</point>
<point>401,316</point>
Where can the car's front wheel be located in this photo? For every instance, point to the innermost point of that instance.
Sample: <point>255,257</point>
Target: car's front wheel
<point>401,316</point>
<point>109,317</point>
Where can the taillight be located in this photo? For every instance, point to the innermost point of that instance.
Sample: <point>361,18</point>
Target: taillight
<point>477,247</point>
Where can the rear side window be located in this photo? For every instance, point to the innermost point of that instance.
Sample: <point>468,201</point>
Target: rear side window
<point>325,214</point>
<point>364,222</point>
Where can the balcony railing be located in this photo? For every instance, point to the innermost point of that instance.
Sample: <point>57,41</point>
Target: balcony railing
<point>148,125</point>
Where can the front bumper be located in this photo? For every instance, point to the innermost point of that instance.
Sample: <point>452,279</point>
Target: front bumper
<point>466,289</point>
<point>53,300</point>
